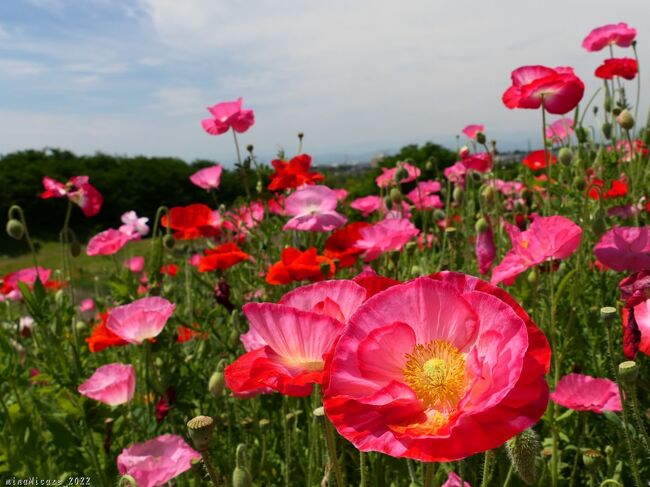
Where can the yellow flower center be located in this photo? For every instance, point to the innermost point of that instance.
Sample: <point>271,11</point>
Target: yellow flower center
<point>436,373</point>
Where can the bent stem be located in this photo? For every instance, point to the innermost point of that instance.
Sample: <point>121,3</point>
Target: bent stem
<point>17,209</point>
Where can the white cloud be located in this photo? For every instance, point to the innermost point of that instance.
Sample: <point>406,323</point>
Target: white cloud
<point>10,68</point>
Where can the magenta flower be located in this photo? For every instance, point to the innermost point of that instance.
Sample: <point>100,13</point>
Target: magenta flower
<point>472,130</point>
<point>619,34</point>
<point>511,190</point>
<point>385,236</point>
<point>551,237</point>
<point>112,384</point>
<point>625,249</point>
<point>585,393</point>
<point>207,178</point>
<point>228,115</point>
<point>135,264</point>
<point>454,480</point>
<point>481,162</point>
<point>559,89</point>
<point>485,250</point>
<point>641,315</point>
<point>313,209</point>
<point>108,242</point>
<point>560,130</point>
<point>78,190</point>
<point>387,176</point>
<point>140,320</point>
<point>456,173</point>
<point>423,196</point>
<point>157,461</point>
<point>368,204</point>
<point>87,305</point>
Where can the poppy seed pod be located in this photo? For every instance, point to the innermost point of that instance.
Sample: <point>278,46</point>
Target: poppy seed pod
<point>625,120</point>
<point>591,459</point>
<point>249,147</point>
<point>200,430</point>
<point>15,229</point>
<point>628,371</point>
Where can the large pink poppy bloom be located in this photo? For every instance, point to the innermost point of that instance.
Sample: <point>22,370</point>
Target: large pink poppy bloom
<point>108,242</point>
<point>207,178</point>
<point>112,384</point>
<point>228,115</point>
<point>385,236</point>
<point>559,89</point>
<point>560,130</point>
<point>140,320</point>
<point>368,204</point>
<point>157,461</point>
<point>313,209</point>
<point>625,249</point>
<point>78,190</point>
<point>548,237</point>
<point>437,369</point>
<point>387,176</point>
<point>585,393</point>
<point>9,283</point>
<point>607,35</point>
<point>472,130</point>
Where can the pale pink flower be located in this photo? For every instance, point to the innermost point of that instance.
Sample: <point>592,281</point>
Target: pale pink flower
<point>134,226</point>
<point>341,193</point>
<point>140,320</point>
<point>560,130</point>
<point>112,384</point>
<point>387,177</point>
<point>243,218</point>
<point>512,191</point>
<point>368,204</point>
<point>313,209</point>
<point>135,264</point>
<point>108,242</point>
<point>157,461</point>
<point>619,34</point>
<point>472,130</point>
<point>585,393</point>
<point>454,480</point>
<point>422,195</point>
<point>228,115</point>
<point>456,173</point>
<point>87,305</point>
<point>207,178</point>
<point>552,237</point>
<point>387,235</point>
<point>625,249</point>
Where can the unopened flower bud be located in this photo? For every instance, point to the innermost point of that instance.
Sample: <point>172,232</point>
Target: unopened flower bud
<point>480,137</point>
<point>217,382</point>
<point>401,174</point>
<point>607,105</point>
<point>481,225</point>
<point>565,156</point>
<point>169,241</point>
<point>301,135</point>
<point>488,194</point>
<point>249,148</point>
<point>579,183</point>
<point>591,459</point>
<point>416,270</point>
<point>259,187</point>
<point>457,195</point>
<point>625,120</point>
<point>75,248</point>
<point>606,128</point>
<point>429,165</point>
<point>523,451</point>
<point>533,277</point>
<point>241,477</point>
<point>127,481</point>
<point>438,215</point>
<point>80,326</point>
<point>325,269</point>
<point>628,371</point>
<point>233,339</point>
<point>616,111</point>
<point>200,430</point>
<point>598,224</point>
<point>15,229</point>
<point>396,195</point>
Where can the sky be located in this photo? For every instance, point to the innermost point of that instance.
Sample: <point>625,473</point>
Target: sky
<point>357,77</point>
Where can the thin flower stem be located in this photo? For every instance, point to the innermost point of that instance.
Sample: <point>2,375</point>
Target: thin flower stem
<point>241,166</point>
<point>546,161</point>
<point>636,412</point>
<point>638,82</point>
<point>486,469</point>
<point>334,459</point>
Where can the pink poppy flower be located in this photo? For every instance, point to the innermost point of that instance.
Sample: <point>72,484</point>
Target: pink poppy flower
<point>293,357</point>
<point>134,226</point>
<point>481,162</point>
<point>243,218</point>
<point>422,195</point>
<point>228,115</point>
<point>472,130</point>
<point>485,250</point>
<point>585,393</point>
<point>135,264</point>
<point>341,194</point>
<point>78,190</point>
<point>140,320</point>
<point>551,237</point>
<point>511,190</point>
<point>560,130</point>
<point>456,173</point>
<point>437,369</point>
<point>207,178</point>
<point>87,305</point>
<point>619,34</point>
<point>387,235</point>
<point>112,384</point>
<point>558,89</point>
<point>387,176</point>
<point>454,480</point>
<point>368,204</point>
<point>625,249</point>
<point>108,242</point>
<point>157,461</point>
<point>313,209</point>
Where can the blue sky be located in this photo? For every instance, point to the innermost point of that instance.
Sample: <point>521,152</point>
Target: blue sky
<point>135,76</point>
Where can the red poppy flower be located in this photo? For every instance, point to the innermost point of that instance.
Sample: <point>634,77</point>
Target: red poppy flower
<point>102,337</point>
<point>222,257</point>
<point>300,266</point>
<point>623,67</point>
<point>293,174</point>
<point>170,269</point>
<point>340,245</point>
<point>559,89</point>
<point>617,189</point>
<point>536,160</point>
<point>191,222</point>
<point>185,334</point>
<point>165,403</point>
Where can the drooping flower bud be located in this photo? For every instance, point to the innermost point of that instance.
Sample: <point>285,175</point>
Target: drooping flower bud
<point>200,430</point>
<point>241,477</point>
<point>523,451</point>
<point>481,225</point>
<point>625,120</point>
<point>169,242</point>
<point>217,382</point>
<point>15,229</point>
<point>581,134</point>
<point>606,128</point>
<point>480,137</point>
<point>488,194</point>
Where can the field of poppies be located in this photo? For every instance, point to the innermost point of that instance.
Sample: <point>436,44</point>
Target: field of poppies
<point>487,326</point>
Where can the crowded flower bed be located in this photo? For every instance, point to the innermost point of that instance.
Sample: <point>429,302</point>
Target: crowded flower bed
<point>489,326</point>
